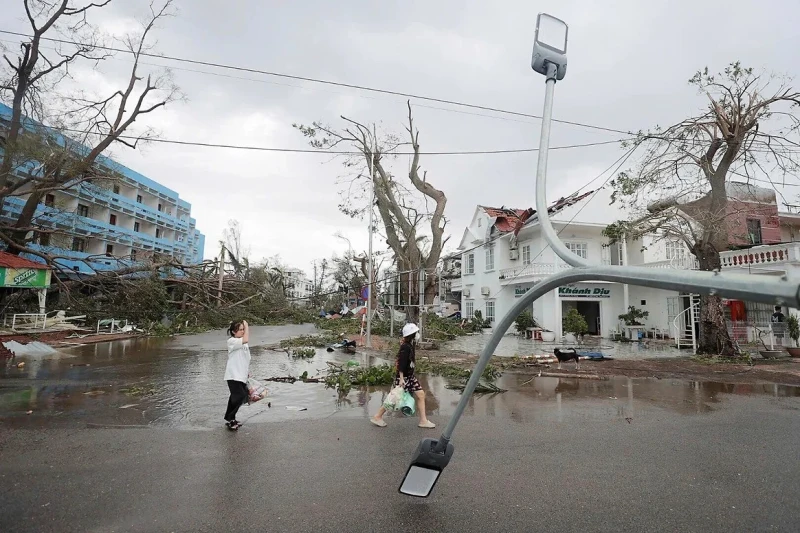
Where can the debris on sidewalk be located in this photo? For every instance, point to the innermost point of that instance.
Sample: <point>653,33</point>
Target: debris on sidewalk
<point>32,349</point>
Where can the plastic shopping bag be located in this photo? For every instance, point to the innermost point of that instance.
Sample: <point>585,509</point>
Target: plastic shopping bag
<point>408,405</point>
<point>256,389</point>
<point>392,401</point>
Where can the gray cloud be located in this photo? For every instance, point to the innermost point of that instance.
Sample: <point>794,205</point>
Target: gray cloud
<point>629,62</point>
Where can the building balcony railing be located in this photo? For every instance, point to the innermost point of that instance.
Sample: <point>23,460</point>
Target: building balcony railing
<point>107,198</point>
<point>456,284</point>
<point>684,262</point>
<point>530,272</point>
<point>89,227</point>
<point>768,257</point>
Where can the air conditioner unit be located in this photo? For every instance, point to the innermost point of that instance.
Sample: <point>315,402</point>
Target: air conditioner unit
<point>484,291</point>
<point>465,292</point>
<point>513,254</point>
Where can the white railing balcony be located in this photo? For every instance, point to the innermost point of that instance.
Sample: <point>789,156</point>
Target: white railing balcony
<point>767,257</point>
<point>531,272</point>
<point>684,262</point>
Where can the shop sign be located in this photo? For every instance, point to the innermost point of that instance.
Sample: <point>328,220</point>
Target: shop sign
<point>520,291</point>
<point>584,292</point>
<point>24,277</point>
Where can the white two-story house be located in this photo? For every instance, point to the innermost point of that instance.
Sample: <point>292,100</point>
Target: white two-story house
<point>504,254</point>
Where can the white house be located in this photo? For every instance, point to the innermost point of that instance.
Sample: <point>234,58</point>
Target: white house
<point>504,254</point>
<point>297,285</point>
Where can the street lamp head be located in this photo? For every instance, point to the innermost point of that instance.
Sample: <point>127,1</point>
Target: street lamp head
<point>550,47</point>
<point>430,458</point>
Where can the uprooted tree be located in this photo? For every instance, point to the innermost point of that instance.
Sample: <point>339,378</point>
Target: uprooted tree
<point>54,141</point>
<point>679,189</point>
<point>403,210</point>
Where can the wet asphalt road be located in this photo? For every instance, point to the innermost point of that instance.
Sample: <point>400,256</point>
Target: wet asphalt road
<point>734,468</point>
<point>551,454</point>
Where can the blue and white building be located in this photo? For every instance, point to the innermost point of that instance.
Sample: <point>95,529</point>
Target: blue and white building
<point>113,223</point>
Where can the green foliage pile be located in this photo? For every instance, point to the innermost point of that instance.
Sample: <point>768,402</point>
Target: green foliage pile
<point>344,378</point>
<point>304,353</point>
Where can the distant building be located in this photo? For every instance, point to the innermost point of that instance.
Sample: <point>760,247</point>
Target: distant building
<point>297,285</point>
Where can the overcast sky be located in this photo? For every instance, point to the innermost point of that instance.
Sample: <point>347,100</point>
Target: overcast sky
<point>629,62</point>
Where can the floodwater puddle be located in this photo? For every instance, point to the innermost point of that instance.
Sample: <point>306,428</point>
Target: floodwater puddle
<point>512,345</point>
<point>177,382</point>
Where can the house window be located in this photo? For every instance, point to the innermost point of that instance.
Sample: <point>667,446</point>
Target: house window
<point>43,239</point>
<point>159,207</point>
<point>754,231</point>
<point>479,222</point>
<point>83,210</point>
<point>158,233</point>
<point>578,248</point>
<point>135,226</point>
<point>490,310</point>
<point>78,245</point>
<point>50,200</point>
<point>470,264</point>
<point>526,254</point>
<point>116,189</point>
<point>112,220</point>
<point>109,250</point>
<point>490,259</point>
<point>469,308</point>
<point>133,255</point>
<point>675,250</point>
<point>138,198</point>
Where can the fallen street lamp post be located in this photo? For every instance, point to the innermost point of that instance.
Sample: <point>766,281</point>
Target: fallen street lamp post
<point>433,455</point>
<point>549,59</point>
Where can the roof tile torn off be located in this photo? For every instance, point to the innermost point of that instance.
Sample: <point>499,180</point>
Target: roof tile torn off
<point>508,219</point>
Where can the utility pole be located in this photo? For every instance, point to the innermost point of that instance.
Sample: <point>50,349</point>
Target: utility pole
<point>221,275</point>
<point>369,259</point>
<point>421,290</point>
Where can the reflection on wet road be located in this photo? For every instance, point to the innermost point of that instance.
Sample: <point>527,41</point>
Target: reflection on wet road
<point>178,383</point>
<point>512,345</point>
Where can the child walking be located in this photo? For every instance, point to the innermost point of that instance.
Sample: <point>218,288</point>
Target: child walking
<point>404,377</point>
<point>237,371</point>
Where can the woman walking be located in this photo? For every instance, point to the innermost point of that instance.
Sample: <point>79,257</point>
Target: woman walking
<point>404,377</point>
<point>237,371</point>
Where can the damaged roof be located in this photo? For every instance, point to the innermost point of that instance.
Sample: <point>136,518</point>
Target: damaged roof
<point>509,219</point>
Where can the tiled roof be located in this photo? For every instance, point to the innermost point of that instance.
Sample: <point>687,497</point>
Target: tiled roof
<point>506,219</point>
<point>8,260</point>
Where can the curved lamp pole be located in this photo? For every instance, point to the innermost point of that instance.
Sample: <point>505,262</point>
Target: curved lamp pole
<point>433,455</point>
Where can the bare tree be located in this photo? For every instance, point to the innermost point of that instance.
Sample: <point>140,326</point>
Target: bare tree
<point>319,285</point>
<point>403,210</point>
<point>679,188</point>
<point>39,158</point>
<point>346,274</point>
<point>238,255</point>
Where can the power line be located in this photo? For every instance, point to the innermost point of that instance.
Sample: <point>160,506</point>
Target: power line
<point>338,152</point>
<point>325,82</point>
<point>782,150</point>
<point>362,88</point>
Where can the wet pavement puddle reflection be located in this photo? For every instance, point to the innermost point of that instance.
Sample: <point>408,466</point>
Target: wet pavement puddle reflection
<point>177,383</point>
